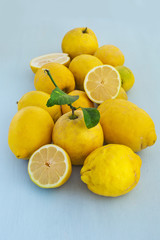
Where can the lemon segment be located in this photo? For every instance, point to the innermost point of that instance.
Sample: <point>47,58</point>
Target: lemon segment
<point>102,83</point>
<point>38,62</point>
<point>49,166</point>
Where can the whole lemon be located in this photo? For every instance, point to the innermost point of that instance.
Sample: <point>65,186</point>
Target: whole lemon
<point>127,77</point>
<point>81,65</point>
<point>78,41</point>
<point>39,99</point>
<point>75,138</point>
<point>125,123</point>
<point>62,76</point>
<point>122,94</point>
<point>111,170</point>
<point>111,55</point>
<point>30,128</point>
<point>83,101</point>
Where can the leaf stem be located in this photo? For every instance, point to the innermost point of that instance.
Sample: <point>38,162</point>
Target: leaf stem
<point>48,72</point>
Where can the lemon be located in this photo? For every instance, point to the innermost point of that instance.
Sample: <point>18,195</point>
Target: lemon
<point>125,123</point>
<point>75,138</point>
<point>49,166</point>
<point>81,65</point>
<point>111,55</point>
<point>127,77</point>
<point>39,99</point>
<point>38,62</point>
<point>30,128</point>
<point>61,75</point>
<point>122,94</point>
<point>83,101</point>
<point>111,170</point>
<point>101,83</point>
<point>79,41</point>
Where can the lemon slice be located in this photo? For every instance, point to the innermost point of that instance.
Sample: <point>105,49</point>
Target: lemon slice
<point>38,62</point>
<point>102,83</point>
<point>49,166</point>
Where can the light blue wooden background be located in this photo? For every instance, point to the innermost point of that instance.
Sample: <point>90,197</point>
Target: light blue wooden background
<point>32,28</point>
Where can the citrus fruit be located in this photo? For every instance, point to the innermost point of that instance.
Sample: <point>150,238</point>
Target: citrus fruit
<point>75,138</point>
<point>38,62</point>
<point>78,41</point>
<point>83,101</point>
<point>81,65</point>
<point>122,94</point>
<point>127,77</point>
<point>61,75</point>
<point>30,128</point>
<point>125,123</point>
<point>49,166</point>
<point>111,170</point>
<point>111,55</point>
<point>39,99</point>
<point>101,83</point>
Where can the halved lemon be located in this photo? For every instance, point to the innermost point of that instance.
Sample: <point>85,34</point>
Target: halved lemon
<point>49,166</point>
<point>102,83</point>
<point>38,62</point>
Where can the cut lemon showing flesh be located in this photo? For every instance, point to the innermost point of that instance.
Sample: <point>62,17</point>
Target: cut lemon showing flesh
<point>38,62</point>
<point>102,83</point>
<point>49,166</point>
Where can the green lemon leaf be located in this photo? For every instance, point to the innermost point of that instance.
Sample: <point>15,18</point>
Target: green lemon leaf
<point>91,116</point>
<point>58,97</point>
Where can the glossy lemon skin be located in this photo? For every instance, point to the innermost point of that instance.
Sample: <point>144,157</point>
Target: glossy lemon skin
<point>75,138</point>
<point>39,99</point>
<point>83,101</point>
<point>111,55</point>
<point>112,170</point>
<point>76,42</point>
<point>125,123</point>
<point>62,76</point>
<point>81,65</point>
<point>127,77</point>
<point>30,128</point>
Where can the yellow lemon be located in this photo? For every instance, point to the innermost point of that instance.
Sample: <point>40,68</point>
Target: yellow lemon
<point>78,41</point>
<point>39,99</point>
<point>122,94</point>
<point>111,170</point>
<point>49,166</point>
<point>83,101</point>
<point>125,123</point>
<point>38,62</point>
<point>81,65</point>
<point>127,77</point>
<point>111,55</point>
<point>75,138</point>
<point>101,83</point>
<point>61,75</point>
<point>30,128</point>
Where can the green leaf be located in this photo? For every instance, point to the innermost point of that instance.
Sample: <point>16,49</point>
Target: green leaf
<point>58,97</point>
<point>91,116</point>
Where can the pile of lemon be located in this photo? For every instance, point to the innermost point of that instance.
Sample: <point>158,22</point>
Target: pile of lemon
<point>52,141</point>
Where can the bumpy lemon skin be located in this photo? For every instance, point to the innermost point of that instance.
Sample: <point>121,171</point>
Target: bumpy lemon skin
<point>122,94</point>
<point>30,128</point>
<point>39,99</point>
<point>81,65</point>
<point>111,55</point>
<point>125,123</point>
<point>127,77</point>
<point>62,76</point>
<point>75,138</point>
<point>82,101</point>
<point>76,42</point>
<point>112,170</point>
